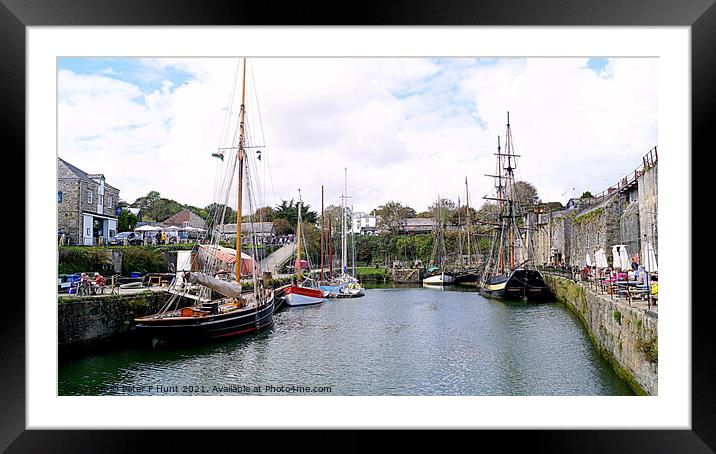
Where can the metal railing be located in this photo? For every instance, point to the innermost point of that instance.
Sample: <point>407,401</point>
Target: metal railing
<point>617,290</point>
<point>649,160</point>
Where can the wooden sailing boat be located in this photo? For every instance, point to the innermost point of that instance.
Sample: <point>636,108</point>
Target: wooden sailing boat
<point>467,271</point>
<point>509,273</point>
<point>302,292</point>
<point>437,272</point>
<point>234,312</point>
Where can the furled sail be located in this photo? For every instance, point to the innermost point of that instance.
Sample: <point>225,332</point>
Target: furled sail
<point>231,289</point>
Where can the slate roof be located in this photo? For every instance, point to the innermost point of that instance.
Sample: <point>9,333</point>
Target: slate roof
<point>82,175</point>
<point>183,217</point>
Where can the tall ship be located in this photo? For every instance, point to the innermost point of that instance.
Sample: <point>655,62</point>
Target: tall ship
<point>211,283</point>
<point>509,271</point>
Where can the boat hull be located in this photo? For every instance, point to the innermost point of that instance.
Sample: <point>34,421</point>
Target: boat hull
<point>439,279</point>
<point>190,329</point>
<point>521,284</point>
<point>466,277</point>
<point>332,290</point>
<point>302,296</point>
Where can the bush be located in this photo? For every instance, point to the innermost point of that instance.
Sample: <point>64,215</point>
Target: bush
<point>618,316</point>
<point>143,260</point>
<point>370,273</point>
<point>74,259</point>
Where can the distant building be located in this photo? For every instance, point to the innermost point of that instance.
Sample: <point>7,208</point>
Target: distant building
<point>260,229</point>
<point>185,218</point>
<point>417,225</point>
<point>86,205</point>
<point>364,223</point>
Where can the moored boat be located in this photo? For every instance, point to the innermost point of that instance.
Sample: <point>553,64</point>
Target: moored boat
<point>306,292</point>
<point>303,295</point>
<point>235,311</point>
<point>508,273</point>
<point>441,278</point>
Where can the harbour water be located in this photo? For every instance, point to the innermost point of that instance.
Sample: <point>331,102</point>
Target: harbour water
<point>393,341</point>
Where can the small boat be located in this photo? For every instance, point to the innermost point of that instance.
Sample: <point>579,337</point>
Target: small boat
<point>331,291</point>
<point>349,287</point>
<point>307,292</point>
<point>441,278</point>
<point>303,295</point>
<point>437,274</point>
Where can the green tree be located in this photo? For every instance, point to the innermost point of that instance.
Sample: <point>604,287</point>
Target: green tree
<point>264,214</point>
<point>126,221</point>
<point>442,209</point>
<point>586,195</point>
<point>488,213</point>
<point>391,214</point>
<point>282,227</point>
<point>525,195</point>
<point>289,210</point>
<point>215,210</point>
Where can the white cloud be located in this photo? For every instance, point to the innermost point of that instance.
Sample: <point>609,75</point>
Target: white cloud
<point>407,129</point>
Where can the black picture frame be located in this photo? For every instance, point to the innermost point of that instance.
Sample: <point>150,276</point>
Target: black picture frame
<point>16,15</point>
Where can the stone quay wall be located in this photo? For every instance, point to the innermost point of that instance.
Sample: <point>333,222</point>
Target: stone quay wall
<point>627,217</point>
<point>625,335</point>
<point>88,320</point>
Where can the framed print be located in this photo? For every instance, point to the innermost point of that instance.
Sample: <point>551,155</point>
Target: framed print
<point>439,216</point>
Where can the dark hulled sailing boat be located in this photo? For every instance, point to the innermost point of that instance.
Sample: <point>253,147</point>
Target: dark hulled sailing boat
<point>234,311</point>
<point>509,272</point>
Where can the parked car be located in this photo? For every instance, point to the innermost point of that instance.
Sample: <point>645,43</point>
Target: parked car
<point>131,237</point>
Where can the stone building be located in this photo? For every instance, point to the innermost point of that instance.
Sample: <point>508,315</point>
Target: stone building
<point>86,205</point>
<point>625,214</point>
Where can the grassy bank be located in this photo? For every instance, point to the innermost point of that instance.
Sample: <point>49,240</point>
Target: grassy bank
<point>369,273</point>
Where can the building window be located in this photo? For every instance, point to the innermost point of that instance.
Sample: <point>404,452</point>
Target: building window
<point>59,196</point>
<point>101,199</point>
<point>109,201</point>
<point>89,196</point>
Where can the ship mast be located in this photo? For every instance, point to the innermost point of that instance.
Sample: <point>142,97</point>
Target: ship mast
<point>510,192</point>
<point>298,237</point>
<point>467,206</point>
<point>500,198</point>
<point>344,239</point>
<point>330,248</point>
<point>323,223</point>
<point>241,175</point>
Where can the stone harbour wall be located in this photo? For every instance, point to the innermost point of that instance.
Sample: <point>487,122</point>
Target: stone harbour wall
<point>82,321</point>
<point>626,336</point>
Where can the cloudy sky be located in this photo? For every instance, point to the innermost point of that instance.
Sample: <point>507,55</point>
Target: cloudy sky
<point>406,129</point>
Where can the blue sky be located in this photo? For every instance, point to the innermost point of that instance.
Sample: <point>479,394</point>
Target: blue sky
<point>131,70</point>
